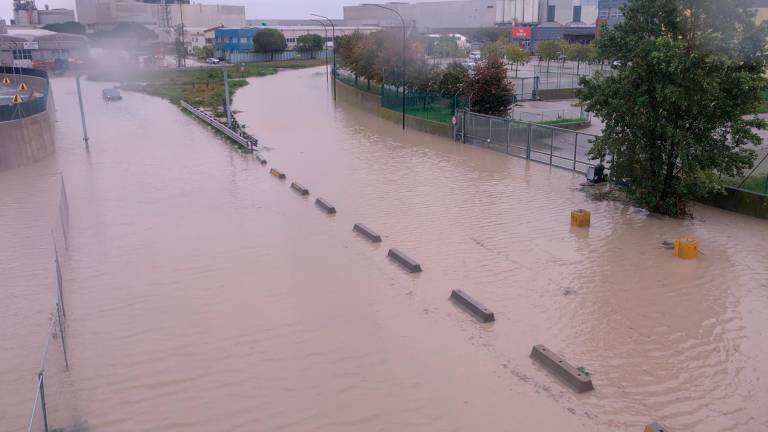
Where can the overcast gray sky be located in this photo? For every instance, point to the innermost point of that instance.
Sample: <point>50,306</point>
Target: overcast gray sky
<point>253,8</point>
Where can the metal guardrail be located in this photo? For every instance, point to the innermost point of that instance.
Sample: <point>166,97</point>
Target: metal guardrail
<point>246,143</point>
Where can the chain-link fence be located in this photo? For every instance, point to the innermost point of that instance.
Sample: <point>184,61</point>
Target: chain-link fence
<point>525,88</point>
<point>549,115</point>
<point>757,179</point>
<point>432,106</point>
<point>359,83</point>
<point>550,145</point>
<point>558,75</point>
<point>53,405</point>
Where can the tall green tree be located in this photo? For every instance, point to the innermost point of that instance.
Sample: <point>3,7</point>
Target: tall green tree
<point>517,55</point>
<point>497,48</point>
<point>269,41</point>
<point>310,43</point>
<point>679,111</point>
<point>489,89</point>
<point>549,50</point>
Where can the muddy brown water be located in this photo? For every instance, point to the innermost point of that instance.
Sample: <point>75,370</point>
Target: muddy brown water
<point>204,294</point>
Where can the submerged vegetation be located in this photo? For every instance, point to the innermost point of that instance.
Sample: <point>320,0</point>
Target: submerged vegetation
<point>200,87</point>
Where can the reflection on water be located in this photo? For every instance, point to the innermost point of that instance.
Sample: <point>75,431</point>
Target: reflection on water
<point>204,295</point>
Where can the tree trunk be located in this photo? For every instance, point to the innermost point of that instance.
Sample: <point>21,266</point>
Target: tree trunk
<point>669,173</point>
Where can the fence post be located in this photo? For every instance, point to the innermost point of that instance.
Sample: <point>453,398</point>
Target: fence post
<point>61,332</point>
<point>490,132</point>
<point>551,145</point>
<point>464,127</point>
<point>528,144</point>
<point>59,279</point>
<point>575,149</point>
<point>509,126</point>
<point>41,389</point>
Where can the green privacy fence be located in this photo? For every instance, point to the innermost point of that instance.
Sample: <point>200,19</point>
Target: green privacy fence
<point>432,106</point>
<point>29,107</point>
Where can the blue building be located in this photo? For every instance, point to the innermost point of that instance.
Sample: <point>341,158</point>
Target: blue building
<point>228,40</point>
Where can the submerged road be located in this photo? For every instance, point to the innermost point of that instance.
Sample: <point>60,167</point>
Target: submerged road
<point>204,294</point>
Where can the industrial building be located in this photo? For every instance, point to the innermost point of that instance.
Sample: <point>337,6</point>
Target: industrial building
<point>105,14</point>
<point>229,41</point>
<point>609,12</point>
<point>572,20</point>
<point>35,47</point>
<point>26,13</point>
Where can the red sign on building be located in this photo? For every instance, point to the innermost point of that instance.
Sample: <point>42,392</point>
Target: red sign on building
<point>521,32</point>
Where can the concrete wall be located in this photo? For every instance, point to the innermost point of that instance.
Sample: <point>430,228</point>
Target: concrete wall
<point>741,201</point>
<point>27,140</point>
<point>372,103</point>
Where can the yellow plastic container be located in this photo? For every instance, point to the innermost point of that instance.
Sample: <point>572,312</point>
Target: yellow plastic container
<point>6,81</point>
<point>23,87</point>
<point>580,218</point>
<point>17,99</point>
<point>686,248</point>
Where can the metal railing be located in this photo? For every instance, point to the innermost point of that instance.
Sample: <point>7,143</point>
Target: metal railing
<point>248,143</point>
<point>546,144</point>
<point>50,406</point>
<point>29,107</point>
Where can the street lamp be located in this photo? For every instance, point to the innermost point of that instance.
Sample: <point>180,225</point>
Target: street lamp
<point>333,36</point>
<point>404,37</point>
<point>325,47</point>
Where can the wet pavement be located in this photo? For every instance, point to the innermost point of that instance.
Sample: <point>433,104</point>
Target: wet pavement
<point>205,294</point>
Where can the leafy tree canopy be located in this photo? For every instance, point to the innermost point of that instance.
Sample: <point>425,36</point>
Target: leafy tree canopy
<point>269,41</point>
<point>490,90</point>
<point>309,43</point>
<point>678,111</point>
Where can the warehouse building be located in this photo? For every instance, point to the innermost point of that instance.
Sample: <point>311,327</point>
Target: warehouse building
<point>34,47</point>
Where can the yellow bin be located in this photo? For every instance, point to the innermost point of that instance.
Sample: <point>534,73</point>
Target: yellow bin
<point>686,248</point>
<point>580,218</point>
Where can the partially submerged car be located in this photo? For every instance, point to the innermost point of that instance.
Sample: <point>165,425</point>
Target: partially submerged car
<point>111,94</point>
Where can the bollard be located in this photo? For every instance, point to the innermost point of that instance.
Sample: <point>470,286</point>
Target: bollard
<point>261,159</point>
<point>325,206</point>
<point>656,427</point>
<point>300,189</point>
<point>404,260</point>
<point>482,313</point>
<point>278,174</point>
<point>578,378</point>
<point>686,248</point>
<point>580,218</point>
<point>367,232</point>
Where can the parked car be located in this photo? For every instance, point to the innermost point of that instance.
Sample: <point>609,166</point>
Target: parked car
<point>212,60</point>
<point>111,95</point>
<point>475,55</point>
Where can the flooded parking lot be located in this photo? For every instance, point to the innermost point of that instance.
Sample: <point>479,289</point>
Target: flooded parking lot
<point>203,294</point>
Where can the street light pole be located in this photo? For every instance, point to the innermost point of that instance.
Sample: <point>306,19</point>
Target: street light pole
<point>325,47</point>
<point>333,36</point>
<point>404,38</point>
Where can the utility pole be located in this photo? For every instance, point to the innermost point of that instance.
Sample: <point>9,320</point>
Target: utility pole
<point>82,112</point>
<point>226,98</point>
<point>333,36</point>
<point>405,35</point>
<point>325,48</point>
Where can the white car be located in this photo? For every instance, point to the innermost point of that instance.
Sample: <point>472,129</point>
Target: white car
<point>212,60</point>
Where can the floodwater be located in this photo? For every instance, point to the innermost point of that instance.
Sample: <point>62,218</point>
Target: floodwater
<point>203,294</point>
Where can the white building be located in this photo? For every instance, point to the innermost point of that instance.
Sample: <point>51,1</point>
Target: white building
<point>517,11</point>
<point>428,17</point>
<point>100,14</point>
<point>26,13</point>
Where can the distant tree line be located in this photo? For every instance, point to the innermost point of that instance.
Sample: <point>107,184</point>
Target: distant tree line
<point>378,58</point>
